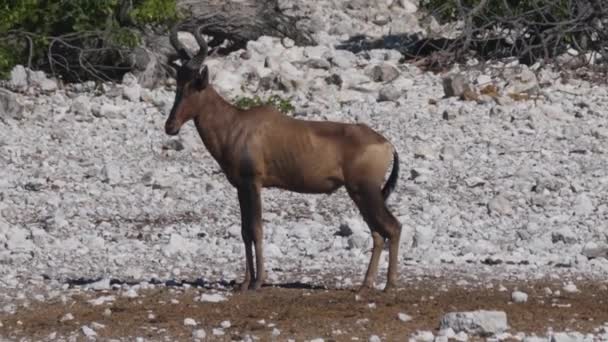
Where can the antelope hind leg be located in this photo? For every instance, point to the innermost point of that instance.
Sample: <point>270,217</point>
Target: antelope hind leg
<point>383,225</point>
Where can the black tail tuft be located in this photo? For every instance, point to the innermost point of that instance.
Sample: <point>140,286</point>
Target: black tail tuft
<point>392,179</point>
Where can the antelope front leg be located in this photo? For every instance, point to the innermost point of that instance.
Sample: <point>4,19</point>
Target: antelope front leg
<point>251,230</point>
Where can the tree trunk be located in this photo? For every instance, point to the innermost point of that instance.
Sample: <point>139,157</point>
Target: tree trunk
<point>240,21</point>
<point>235,21</point>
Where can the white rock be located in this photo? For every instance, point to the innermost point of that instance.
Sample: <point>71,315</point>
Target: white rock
<point>18,80</point>
<point>199,334</point>
<point>39,80</point>
<point>409,6</point>
<point>189,322</point>
<point>500,205</point>
<point>18,241</point>
<point>10,106</point>
<point>67,317</point>
<point>583,205</point>
<point>384,72</point>
<point>212,298</point>
<point>568,337</point>
<point>218,332</point>
<point>106,110</point>
<point>404,317</point>
<point>102,284</point>
<point>131,293</point>
<point>110,173</point>
<point>389,93</point>
<point>88,332</point>
<point>423,336</point>
<point>519,297</point>
<point>225,324</point>
<point>475,322</point>
<point>447,332</point>
<point>521,80</point>
<point>343,59</point>
<point>423,236</point>
<point>132,92</point>
<point>570,288</point>
<point>179,245</point>
<point>81,105</point>
<point>374,338</point>
<point>455,85</point>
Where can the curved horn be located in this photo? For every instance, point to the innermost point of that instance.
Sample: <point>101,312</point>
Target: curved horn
<point>177,45</point>
<point>196,61</point>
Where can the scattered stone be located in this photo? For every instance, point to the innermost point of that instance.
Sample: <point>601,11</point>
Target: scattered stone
<point>39,80</point>
<point>583,205</point>
<point>374,338</point>
<point>225,324</point>
<point>67,317</point>
<point>100,285</point>
<point>319,63</point>
<point>457,85</point>
<point>179,245</point>
<point>409,6</point>
<point>565,235</point>
<point>389,93</point>
<point>173,144</point>
<point>189,322</point>
<point>500,205</point>
<point>404,317</point>
<point>593,251</point>
<point>449,114</point>
<point>19,241</point>
<point>18,80</point>
<point>384,72</point>
<point>110,173</point>
<point>571,336</point>
<point>199,334</point>
<point>423,336</point>
<point>212,298</point>
<point>519,297</point>
<point>570,288</point>
<point>521,80</point>
<point>81,105</point>
<point>480,322</point>
<point>9,105</point>
<point>88,332</point>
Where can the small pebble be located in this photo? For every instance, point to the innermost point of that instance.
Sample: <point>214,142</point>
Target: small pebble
<point>519,297</point>
<point>189,322</point>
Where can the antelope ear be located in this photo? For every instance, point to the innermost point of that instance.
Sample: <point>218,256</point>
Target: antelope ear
<point>201,80</point>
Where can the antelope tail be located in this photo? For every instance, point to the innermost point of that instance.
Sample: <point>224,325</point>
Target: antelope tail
<point>392,179</point>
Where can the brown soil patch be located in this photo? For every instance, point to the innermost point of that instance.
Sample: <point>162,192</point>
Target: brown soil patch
<point>335,315</point>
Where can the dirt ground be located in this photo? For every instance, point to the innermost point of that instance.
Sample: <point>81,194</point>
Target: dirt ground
<point>303,313</point>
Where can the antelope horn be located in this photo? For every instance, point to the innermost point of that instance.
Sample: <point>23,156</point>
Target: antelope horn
<point>196,61</point>
<point>177,45</point>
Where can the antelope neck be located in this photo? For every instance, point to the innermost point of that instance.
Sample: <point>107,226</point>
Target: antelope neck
<point>213,121</point>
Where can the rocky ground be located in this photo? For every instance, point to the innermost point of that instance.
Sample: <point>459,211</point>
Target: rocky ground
<point>502,196</point>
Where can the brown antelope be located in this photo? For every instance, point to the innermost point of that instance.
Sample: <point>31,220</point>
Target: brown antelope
<point>262,148</point>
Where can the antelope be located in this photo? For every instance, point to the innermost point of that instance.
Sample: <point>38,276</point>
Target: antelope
<point>261,147</point>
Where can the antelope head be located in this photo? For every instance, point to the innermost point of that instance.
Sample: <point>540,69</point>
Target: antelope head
<point>192,80</point>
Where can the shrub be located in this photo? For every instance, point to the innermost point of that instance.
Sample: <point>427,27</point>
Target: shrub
<point>276,101</point>
<point>32,29</point>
